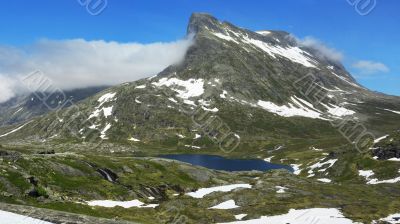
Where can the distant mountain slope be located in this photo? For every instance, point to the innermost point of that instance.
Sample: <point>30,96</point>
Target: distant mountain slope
<point>25,107</point>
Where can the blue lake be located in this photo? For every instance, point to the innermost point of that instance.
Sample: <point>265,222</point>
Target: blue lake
<point>226,164</point>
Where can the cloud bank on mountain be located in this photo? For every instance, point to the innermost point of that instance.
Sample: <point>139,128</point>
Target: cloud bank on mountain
<point>79,63</point>
<point>322,49</point>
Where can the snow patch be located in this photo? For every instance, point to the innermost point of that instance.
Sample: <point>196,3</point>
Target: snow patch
<point>189,102</point>
<point>294,54</point>
<point>296,168</point>
<point>240,216</point>
<point>106,98</point>
<point>320,164</point>
<point>140,87</point>
<point>226,205</point>
<point>180,136</point>
<point>134,139</point>
<point>9,217</point>
<point>325,180</point>
<point>225,37</point>
<point>338,111</point>
<point>193,146</point>
<point>280,189</point>
<point>315,149</point>
<point>107,111</point>
<point>137,101</point>
<point>223,94</point>
<point>380,139</point>
<point>393,219</point>
<point>303,216</point>
<point>288,111</point>
<point>172,100</point>
<point>124,204</point>
<point>214,110</point>
<point>367,174</point>
<point>189,88</point>
<point>393,111</point>
<point>15,130</point>
<point>18,111</point>
<point>103,132</point>
<point>268,159</point>
<point>204,102</point>
<point>226,188</point>
<point>346,80</point>
<point>93,126</point>
<point>263,32</point>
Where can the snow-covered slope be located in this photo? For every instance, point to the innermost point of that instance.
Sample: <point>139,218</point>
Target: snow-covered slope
<point>303,216</point>
<point>9,217</point>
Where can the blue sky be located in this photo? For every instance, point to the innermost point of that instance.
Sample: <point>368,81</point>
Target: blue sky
<point>373,38</point>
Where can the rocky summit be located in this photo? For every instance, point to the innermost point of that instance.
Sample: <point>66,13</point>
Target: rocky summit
<point>237,93</point>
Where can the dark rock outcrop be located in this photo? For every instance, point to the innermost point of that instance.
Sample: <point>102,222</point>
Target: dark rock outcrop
<point>387,152</point>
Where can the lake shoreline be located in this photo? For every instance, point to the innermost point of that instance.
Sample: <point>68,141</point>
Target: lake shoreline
<point>221,163</point>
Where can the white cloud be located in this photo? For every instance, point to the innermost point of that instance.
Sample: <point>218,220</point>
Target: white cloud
<point>79,63</point>
<point>321,48</point>
<point>7,88</point>
<point>370,67</point>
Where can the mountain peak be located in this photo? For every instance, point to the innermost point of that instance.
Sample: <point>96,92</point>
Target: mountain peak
<point>201,21</point>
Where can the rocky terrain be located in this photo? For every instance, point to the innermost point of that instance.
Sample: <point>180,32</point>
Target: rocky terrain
<point>388,148</point>
<point>26,106</point>
<point>239,94</point>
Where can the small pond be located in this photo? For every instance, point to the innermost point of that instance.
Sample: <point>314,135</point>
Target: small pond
<point>226,164</point>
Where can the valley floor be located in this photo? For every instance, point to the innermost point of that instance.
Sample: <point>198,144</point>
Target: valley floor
<point>121,188</point>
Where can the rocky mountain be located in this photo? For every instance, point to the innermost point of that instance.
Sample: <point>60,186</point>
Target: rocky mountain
<point>264,86</point>
<point>237,93</point>
<point>24,107</point>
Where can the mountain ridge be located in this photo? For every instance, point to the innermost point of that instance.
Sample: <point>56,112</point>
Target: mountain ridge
<point>233,68</point>
<point>29,105</point>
